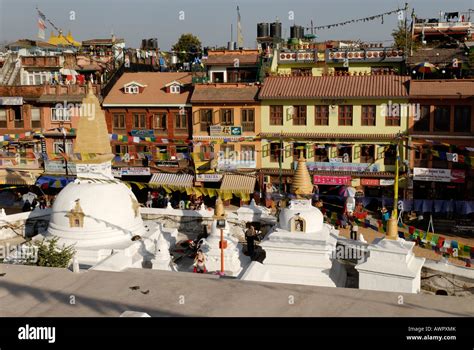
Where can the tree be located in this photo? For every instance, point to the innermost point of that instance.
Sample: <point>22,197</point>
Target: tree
<point>187,47</point>
<point>51,255</point>
<point>403,38</point>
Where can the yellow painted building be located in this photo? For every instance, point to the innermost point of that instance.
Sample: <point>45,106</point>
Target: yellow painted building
<point>344,125</point>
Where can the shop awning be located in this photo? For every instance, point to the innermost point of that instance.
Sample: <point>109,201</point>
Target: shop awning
<point>241,183</point>
<point>175,180</point>
<point>16,177</point>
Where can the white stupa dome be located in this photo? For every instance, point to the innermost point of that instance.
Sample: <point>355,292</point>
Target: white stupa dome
<point>311,216</point>
<point>88,214</point>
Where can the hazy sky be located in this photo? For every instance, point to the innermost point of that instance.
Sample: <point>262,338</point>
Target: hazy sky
<point>209,19</point>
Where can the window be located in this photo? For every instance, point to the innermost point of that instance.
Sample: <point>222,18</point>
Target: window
<point>175,89</point>
<point>35,117</point>
<point>160,121</point>
<point>247,153</point>
<point>139,121</point>
<point>227,151</point>
<point>389,155</point>
<point>299,115</point>
<point>345,152</point>
<point>58,146</point>
<point>368,115</point>
<point>367,153</point>
<point>345,115</point>
<point>132,89</point>
<point>227,116</point>
<point>421,156</point>
<point>299,148</point>
<point>298,72</point>
<point>3,118</point>
<point>462,118</point>
<point>119,121</point>
<point>19,123</point>
<point>60,115</point>
<point>441,118</point>
<point>320,153</point>
<point>321,115</point>
<point>248,119</point>
<point>391,119</point>
<point>276,154</point>
<point>181,121</point>
<point>141,149</point>
<point>276,115</point>
<point>121,149</point>
<point>206,152</point>
<point>423,122</point>
<point>206,119</point>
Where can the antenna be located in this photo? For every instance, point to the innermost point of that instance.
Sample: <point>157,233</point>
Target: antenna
<point>231,32</point>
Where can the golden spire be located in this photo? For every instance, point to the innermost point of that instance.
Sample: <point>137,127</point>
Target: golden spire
<point>92,140</point>
<point>301,185</point>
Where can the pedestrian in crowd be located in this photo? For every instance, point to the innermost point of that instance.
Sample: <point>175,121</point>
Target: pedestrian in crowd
<point>149,201</point>
<point>354,228</point>
<point>200,262</point>
<point>385,214</point>
<point>250,236</point>
<point>42,202</point>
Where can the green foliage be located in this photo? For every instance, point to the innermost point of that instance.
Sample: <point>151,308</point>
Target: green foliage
<point>188,43</point>
<point>402,37</point>
<point>51,255</point>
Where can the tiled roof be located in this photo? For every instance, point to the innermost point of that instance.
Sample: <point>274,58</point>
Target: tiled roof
<point>224,93</point>
<point>154,92</point>
<point>442,88</point>
<point>310,87</point>
<point>368,174</point>
<point>227,58</point>
<point>319,136</point>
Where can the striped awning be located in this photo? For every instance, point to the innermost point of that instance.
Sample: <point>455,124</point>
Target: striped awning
<point>12,177</point>
<point>166,179</point>
<point>241,183</point>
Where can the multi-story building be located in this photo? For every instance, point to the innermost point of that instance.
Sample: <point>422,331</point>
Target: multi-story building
<point>226,123</point>
<point>149,117</point>
<point>345,126</point>
<point>232,66</point>
<point>442,138</point>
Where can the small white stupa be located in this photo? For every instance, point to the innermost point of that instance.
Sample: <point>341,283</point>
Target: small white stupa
<point>391,266</point>
<point>162,259</point>
<point>96,213</point>
<point>301,249</point>
<point>234,258</point>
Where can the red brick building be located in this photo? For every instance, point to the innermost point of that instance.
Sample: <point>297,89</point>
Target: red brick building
<point>149,117</point>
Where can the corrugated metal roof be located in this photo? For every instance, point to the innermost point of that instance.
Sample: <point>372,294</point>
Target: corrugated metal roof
<point>446,88</point>
<point>180,180</point>
<point>238,183</point>
<point>309,87</point>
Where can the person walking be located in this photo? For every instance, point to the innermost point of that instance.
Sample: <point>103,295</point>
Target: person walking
<point>250,236</point>
<point>354,229</point>
<point>200,262</point>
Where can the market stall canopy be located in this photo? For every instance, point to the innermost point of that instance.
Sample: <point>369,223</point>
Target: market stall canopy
<point>175,180</point>
<point>242,183</point>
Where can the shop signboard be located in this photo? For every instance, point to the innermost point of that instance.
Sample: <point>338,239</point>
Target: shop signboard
<point>219,130</point>
<point>142,133</point>
<point>439,175</point>
<point>331,180</point>
<point>11,101</point>
<point>370,182</point>
<point>135,171</point>
<point>208,177</point>
<point>167,163</point>
<point>224,164</point>
<point>387,182</point>
<point>58,167</point>
<point>340,166</point>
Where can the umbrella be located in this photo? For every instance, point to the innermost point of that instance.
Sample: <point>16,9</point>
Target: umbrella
<point>347,191</point>
<point>425,67</point>
<point>65,71</point>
